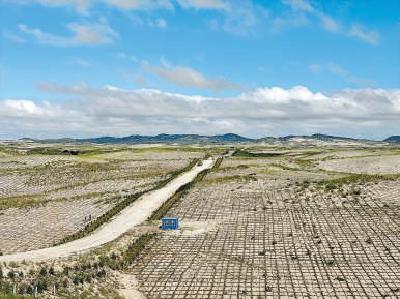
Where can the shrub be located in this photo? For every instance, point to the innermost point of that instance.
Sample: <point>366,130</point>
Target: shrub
<point>43,271</point>
<point>42,284</point>
<point>11,274</point>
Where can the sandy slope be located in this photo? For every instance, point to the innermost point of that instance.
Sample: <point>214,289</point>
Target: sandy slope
<point>130,217</point>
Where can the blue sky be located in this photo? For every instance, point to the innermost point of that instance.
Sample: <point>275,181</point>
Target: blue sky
<point>58,52</point>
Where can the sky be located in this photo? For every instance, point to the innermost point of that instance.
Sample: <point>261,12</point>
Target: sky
<point>86,68</point>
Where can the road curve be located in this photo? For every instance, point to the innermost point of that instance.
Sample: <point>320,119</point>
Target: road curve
<point>128,218</point>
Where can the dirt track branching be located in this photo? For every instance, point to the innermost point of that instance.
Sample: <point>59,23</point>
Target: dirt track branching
<point>96,223</point>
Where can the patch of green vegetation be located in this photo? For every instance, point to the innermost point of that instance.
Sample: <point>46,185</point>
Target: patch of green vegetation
<point>331,184</point>
<point>303,163</point>
<point>20,202</point>
<point>267,171</point>
<point>225,179</point>
<point>283,167</point>
<point>217,164</point>
<point>108,293</point>
<point>134,250</point>
<point>79,150</point>
<point>167,149</point>
<point>243,153</point>
<point>12,296</point>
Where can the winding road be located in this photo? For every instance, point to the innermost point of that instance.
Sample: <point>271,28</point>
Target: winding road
<point>132,216</point>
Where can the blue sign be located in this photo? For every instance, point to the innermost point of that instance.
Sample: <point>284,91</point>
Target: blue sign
<point>171,223</point>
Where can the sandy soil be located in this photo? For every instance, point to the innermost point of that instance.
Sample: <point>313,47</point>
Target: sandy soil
<point>272,238</point>
<point>369,165</point>
<point>130,217</point>
<point>129,286</point>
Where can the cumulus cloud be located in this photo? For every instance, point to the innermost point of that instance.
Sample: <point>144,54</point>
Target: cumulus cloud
<point>21,108</point>
<point>189,77</point>
<point>82,34</point>
<point>261,112</point>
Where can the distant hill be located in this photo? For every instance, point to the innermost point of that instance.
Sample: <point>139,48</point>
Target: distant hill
<point>317,139</point>
<point>228,138</point>
<point>316,136</point>
<point>324,137</point>
<point>160,138</point>
<point>393,139</point>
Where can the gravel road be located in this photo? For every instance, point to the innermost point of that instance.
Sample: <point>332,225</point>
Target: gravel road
<point>127,219</point>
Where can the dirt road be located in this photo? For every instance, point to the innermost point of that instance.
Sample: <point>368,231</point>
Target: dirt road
<point>130,217</point>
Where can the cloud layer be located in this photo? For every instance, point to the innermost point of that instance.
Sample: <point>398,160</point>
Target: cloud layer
<point>240,17</point>
<point>261,112</point>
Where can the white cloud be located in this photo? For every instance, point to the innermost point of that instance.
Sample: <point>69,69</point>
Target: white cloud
<point>160,23</point>
<point>21,108</point>
<point>189,77</point>
<point>329,23</point>
<point>92,33</point>
<point>82,34</point>
<point>80,62</point>
<point>262,112</point>
<point>369,36</point>
<point>204,4</point>
<point>44,37</point>
<point>302,5</point>
<point>128,57</point>
<point>315,67</point>
<point>81,5</point>
<point>288,22</point>
<point>240,16</point>
<point>140,4</point>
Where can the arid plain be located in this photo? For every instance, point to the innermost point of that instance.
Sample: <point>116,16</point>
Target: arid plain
<point>294,220</point>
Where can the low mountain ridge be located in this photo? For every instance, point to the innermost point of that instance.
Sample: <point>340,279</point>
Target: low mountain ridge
<point>160,138</point>
<point>226,138</point>
<point>393,139</point>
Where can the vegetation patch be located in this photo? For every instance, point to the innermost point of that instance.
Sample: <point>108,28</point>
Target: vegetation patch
<point>134,249</point>
<point>246,154</point>
<point>231,178</point>
<point>335,183</point>
<point>303,163</point>
<point>20,202</point>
